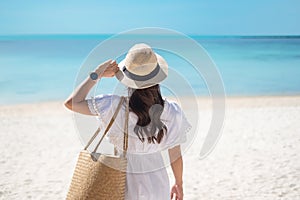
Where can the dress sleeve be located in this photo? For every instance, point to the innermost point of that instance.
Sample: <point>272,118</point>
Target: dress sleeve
<point>178,126</point>
<point>102,105</point>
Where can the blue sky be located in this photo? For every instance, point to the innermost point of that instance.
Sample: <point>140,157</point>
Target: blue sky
<point>209,17</point>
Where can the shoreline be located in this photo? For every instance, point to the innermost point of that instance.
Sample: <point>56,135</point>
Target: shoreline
<point>238,100</point>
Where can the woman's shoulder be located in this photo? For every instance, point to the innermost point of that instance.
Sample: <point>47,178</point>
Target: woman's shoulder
<point>176,123</point>
<point>108,99</point>
<point>107,96</point>
<point>103,102</point>
<point>172,109</point>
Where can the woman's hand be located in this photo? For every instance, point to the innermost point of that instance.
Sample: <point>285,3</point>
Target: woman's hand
<point>177,192</point>
<point>177,167</point>
<point>107,69</point>
<point>77,101</point>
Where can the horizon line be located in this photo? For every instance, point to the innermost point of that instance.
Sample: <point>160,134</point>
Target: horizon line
<point>78,35</point>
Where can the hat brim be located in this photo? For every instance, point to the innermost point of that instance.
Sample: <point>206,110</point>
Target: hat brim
<point>159,77</point>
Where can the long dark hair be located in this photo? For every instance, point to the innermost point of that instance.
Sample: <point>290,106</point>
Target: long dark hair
<point>148,105</point>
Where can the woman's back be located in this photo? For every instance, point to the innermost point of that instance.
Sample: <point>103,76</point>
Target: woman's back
<point>172,116</point>
<point>147,178</point>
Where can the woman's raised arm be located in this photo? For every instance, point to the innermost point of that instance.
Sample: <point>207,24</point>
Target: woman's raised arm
<point>77,101</point>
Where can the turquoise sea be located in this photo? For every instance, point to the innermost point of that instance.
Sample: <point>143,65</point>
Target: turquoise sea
<point>35,68</point>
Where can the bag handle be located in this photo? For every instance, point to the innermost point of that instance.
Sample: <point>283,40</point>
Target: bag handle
<point>108,127</point>
<point>125,139</point>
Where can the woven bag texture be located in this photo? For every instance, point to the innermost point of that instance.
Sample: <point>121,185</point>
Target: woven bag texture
<point>94,180</point>
<point>98,176</point>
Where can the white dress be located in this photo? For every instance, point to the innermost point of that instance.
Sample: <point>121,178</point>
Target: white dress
<point>147,178</point>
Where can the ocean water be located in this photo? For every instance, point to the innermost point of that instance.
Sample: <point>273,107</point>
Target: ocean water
<point>44,68</point>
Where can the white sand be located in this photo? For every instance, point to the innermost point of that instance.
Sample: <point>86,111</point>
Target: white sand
<point>257,156</point>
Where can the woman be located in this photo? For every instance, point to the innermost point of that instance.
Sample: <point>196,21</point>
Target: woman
<point>154,124</point>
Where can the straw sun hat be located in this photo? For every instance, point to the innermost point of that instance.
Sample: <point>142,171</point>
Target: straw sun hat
<point>142,67</point>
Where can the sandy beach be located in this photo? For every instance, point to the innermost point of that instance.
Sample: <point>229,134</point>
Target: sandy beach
<point>257,156</point>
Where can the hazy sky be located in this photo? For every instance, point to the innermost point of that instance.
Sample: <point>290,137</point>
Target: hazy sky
<point>205,17</point>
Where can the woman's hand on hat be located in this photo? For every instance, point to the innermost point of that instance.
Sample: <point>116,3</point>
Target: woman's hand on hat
<point>107,69</point>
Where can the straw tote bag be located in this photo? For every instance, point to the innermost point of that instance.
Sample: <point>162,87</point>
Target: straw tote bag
<point>99,176</point>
